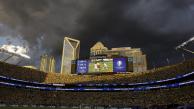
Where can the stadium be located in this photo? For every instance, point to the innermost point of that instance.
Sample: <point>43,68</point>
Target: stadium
<point>96,54</point>
<point>166,87</point>
<point>109,79</point>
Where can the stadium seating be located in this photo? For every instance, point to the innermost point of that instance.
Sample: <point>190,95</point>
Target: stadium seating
<point>21,72</point>
<point>21,96</point>
<point>181,96</point>
<point>151,75</point>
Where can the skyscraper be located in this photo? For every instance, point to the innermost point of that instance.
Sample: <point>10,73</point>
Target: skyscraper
<point>47,63</point>
<point>51,67</point>
<point>43,63</point>
<point>71,50</point>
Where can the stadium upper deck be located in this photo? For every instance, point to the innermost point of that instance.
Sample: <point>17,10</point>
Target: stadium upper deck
<point>152,75</point>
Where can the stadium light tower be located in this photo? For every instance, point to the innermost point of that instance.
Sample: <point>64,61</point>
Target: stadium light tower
<point>9,52</point>
<point>182,46</point>
<point>188,50</point>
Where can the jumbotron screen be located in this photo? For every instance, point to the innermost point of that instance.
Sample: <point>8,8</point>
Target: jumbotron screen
<point>82,66</point>
<point>119,65</point>
<point>100,65</point>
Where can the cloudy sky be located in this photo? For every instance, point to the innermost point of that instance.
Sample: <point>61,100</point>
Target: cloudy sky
<point>156,26</point>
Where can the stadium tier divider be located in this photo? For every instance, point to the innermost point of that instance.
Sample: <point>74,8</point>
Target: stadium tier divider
<point>49,87</point>
<point>4,78</point>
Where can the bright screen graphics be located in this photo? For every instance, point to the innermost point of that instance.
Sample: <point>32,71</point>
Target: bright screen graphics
<point>119,65</point>
<point>100,65</point>
<point>82,66</point>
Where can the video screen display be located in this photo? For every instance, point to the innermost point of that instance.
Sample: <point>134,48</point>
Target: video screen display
<point>100,65</point>
<point>119,64</point>
<point>82,66</point>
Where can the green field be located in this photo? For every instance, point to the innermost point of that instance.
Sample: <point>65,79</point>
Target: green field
<point>109,67</point>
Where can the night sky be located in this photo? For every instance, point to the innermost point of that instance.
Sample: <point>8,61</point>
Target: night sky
<point>156,26</point>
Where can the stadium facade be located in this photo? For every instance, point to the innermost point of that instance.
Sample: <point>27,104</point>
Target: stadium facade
<point>47,63</point>
<point>115,60</point>
<point>136,59</point>
<point>30,67</point>
<point>71,49</point>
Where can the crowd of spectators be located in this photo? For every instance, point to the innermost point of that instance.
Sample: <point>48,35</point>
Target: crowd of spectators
<point>182,95</point>
<point>128,77</point>
<point>22,73</point>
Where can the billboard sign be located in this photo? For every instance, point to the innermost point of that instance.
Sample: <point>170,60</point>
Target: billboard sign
<point>100,65</point>
<point>82,66</point>
<point>119,65</point>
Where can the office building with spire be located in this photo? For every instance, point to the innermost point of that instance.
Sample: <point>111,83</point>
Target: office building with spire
<point>71,49</point>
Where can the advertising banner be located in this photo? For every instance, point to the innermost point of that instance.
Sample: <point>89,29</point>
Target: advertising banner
<point>119,65</point>
<point>82,66</point>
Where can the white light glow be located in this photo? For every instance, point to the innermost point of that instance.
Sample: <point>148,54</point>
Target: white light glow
<point>19,50</point>
<point>185,43</point>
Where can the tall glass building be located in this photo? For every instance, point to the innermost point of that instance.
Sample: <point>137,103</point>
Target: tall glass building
<point>47,63</point>
<point>71,49</point>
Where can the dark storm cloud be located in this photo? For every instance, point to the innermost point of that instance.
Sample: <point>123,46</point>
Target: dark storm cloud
<point>48,19</point>
<point>32,19</point>
<point>156,26</point>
